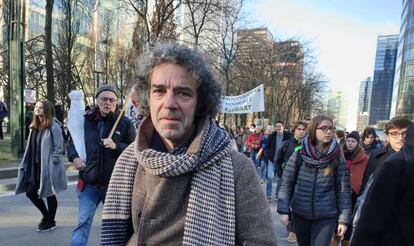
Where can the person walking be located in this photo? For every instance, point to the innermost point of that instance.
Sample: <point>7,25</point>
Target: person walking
<point>181,183</point>
<point>387,214</point>
<point>356,162</point>
<point>241,139</point>
<point>266,165</point>
<point>393,128</point>
<point>3,114</point>
<point>101,155</point>
<point>315,187</point>
<point>286,150</point>
<point>253,143</point>
<point>41,173</point>
<point>369,142</point>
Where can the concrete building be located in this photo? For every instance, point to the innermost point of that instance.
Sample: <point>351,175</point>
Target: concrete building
<point>337,108</point>
<point>364,103</point>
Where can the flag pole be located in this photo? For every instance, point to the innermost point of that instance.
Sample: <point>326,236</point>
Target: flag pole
<point>120,114</point>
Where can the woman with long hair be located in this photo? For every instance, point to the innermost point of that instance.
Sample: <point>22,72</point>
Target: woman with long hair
<point>356,162</point>
<point>41,173</point>
<point>315,187</point>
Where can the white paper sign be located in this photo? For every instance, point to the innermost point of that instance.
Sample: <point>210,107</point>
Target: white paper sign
<point>251,101</point>
<point>29,96</point>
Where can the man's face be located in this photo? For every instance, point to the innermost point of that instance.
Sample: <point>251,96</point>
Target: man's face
<point>258,129</point>
<point>396,137</point>
<point>300,132</point>
<point>279,128</point>
<point>173,101</point>
<point>106,102</point>
<point>369,139</point>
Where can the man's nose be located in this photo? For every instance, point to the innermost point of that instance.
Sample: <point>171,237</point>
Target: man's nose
<point>170,100</point>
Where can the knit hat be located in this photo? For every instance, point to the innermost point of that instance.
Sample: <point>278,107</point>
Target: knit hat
<point>103,88</point>
<point>354,135</point>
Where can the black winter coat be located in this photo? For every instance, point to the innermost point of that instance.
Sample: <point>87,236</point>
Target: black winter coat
<point>272,143</point>
<point>314,195</point>
<point>283,154</point>
<point>386,218</point>
<point>96,153</point>
<point>375,160</point>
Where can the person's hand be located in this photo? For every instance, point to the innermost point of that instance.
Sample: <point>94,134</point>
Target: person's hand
<point>284,219</point>
<point>109,143</point>
<point>78,164</point>
<point>341,230</point>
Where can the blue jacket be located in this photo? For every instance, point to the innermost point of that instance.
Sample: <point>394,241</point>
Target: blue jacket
<point>314,195</point>
<point>96,153</point>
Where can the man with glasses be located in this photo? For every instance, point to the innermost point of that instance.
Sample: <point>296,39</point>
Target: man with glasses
<point>101,155</point>
<point>387,214</point>
<point>395,131</point>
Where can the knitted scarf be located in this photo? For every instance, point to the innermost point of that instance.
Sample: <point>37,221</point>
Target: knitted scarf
<point>210,217</point>
<point>314,157</point>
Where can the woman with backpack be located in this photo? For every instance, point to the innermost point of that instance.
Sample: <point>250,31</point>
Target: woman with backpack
<point>41,173</point>
<point>315,187</point>
<point>356,162</point>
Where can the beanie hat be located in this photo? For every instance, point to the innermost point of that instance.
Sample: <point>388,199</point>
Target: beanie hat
<point>103,88</point>
<point>354,135</point>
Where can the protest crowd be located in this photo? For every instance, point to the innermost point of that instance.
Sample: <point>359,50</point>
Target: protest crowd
<point>179,177</point>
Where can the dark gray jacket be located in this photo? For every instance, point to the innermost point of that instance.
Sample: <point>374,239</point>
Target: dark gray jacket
<point>314,195</point>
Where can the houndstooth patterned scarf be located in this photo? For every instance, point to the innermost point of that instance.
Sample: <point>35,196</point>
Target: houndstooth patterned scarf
<point>210,217</point>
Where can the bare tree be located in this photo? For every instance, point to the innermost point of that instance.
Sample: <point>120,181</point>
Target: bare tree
<point>154,23</point>
<point>201,17</point>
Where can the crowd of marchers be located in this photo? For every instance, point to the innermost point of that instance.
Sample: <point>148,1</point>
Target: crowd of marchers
<point>181,178</point>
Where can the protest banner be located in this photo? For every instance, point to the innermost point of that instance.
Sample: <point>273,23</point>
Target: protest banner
<point>249,102</point>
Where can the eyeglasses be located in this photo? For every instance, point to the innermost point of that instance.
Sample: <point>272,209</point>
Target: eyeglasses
<point>107,99</point>
<point>326,128</point>
<point>397,134</point>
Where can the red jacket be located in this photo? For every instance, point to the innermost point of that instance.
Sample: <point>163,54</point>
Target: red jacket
<point>357,168</point>
<point>253,141</point>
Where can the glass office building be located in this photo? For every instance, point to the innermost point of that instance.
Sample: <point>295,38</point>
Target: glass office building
<point>403,94</point>
<point>382,83</point>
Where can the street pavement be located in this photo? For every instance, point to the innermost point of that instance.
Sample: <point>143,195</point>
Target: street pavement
<point>19,219</point>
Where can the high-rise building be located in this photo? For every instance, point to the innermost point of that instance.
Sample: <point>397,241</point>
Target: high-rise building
<point>383,80</point>
<point>337,108</point>
<point>403,93</point>
<point>364,103</point>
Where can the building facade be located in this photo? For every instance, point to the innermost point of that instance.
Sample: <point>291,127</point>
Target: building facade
<point>382,85</point>
<point>403,93</point>
<point>364,103</point>
<point>337,108</point>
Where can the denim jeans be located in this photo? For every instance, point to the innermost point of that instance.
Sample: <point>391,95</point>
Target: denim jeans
<point>253,155</point>
<point>89,200</point>
<point>270,175</point>
<point>263,168</point>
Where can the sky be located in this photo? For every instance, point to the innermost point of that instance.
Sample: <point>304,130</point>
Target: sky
<point>342,34</point>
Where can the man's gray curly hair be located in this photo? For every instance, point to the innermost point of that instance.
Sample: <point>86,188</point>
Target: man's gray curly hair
<point>208,91</point>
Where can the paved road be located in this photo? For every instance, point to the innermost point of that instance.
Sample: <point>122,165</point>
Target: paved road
<point>19,218</point>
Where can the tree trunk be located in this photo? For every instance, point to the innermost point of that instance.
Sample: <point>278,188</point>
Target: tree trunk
<point>49,51</point>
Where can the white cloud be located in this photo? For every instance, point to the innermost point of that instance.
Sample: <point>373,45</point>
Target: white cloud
<point>345,46</point>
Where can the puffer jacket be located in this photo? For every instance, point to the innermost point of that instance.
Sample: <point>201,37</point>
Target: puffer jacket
<point>314,195</point>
